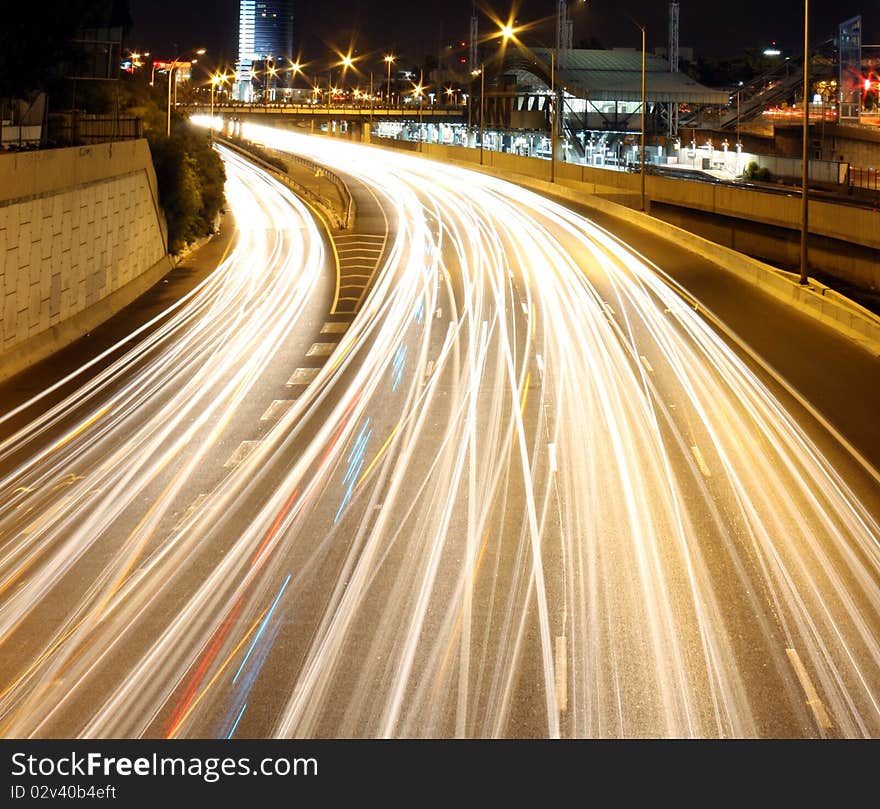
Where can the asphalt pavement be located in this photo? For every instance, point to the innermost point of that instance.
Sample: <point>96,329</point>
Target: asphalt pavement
<point>527,489</point>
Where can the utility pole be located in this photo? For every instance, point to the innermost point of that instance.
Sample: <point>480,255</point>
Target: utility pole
<point>672,129</point>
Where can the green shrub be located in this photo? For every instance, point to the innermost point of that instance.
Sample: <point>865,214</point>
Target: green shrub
<point>190,175</point>
<point>754,172</point>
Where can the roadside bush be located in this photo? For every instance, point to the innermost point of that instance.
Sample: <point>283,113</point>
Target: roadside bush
<point>262,154</point>
<point>754,172</point>
<point>190,175</point>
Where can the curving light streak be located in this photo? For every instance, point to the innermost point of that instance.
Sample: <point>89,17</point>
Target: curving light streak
<point>532,493</point>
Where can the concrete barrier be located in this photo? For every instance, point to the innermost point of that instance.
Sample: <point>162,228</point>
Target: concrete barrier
<point>81,236</point>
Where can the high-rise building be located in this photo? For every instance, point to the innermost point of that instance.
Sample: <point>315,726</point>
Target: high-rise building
<point>265,44</point>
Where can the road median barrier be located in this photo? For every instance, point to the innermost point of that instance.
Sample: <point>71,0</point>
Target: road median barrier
<point>303,177</point>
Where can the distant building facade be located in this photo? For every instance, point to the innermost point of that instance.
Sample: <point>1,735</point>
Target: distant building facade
<point>265,47</point>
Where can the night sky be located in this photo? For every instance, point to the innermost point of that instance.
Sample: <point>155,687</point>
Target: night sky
<point>417,28</point>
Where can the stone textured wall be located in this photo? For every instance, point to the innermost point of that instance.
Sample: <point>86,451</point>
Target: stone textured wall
<point>77,226</point>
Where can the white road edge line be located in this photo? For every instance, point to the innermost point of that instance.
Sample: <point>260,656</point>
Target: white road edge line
<point>562,673</point>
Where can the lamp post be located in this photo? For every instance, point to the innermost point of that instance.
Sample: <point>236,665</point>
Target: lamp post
<point>482,71</point>
<point>389,58</point>
<point>215,80</point>
<point>329,94</point>
<point>174,63</point>
<point>805,163</point>
<point>418,92</point>
<point>170,78</point>
<point>644,121</point>
<point>553,116</point>
<point>295,67</point>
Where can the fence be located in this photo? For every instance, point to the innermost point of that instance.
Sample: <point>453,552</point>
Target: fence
<point>864,178</point>
<point>80,129</point>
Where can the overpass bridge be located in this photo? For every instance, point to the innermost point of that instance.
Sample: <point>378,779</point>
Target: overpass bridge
<point>348,112</point>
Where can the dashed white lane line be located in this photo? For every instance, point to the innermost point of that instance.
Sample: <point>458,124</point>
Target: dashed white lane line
<point>321,350</point>
<point>647,364</point>
<point>302,376</point>
<point>244,449</point>
<point>561,673</point>
<point>551,448</point>
<point>277,409</point>
<point>540,361</point>
<point>701,463</point>
<point>192,509</point>
<point>815,703</point>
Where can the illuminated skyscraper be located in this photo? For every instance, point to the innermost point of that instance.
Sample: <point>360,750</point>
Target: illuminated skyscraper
<point>265,40</point>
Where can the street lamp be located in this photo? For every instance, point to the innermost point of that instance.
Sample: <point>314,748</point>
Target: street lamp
<point>389,58</point>
<point>216,81</point>
<point>177,59</point>
<point>506,33</point>
<point>418,92</point>
<point>644,120</point>
<point>481,71</point>
<point>805,162</point>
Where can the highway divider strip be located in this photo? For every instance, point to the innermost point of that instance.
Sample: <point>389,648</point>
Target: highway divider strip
<point>342,219</point>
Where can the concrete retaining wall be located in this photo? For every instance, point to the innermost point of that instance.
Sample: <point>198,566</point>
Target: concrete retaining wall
<point>81,236</point>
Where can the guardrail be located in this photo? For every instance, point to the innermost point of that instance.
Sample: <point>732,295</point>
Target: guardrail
<point>342,220</point>
<point>334,179</point>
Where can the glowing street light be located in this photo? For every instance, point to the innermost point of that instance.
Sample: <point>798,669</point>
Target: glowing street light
<point>216,80</point>
<point>389,59</point>
<point>171,69</point>
<point>481,72</point>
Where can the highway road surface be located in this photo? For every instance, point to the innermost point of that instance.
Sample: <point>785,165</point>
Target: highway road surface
<point>528,490</point>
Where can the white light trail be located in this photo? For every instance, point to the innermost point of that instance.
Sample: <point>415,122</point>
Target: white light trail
<point>568,509</point>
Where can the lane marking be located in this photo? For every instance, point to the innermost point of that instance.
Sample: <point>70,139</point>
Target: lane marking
<point>525,394</point>
<point>524,307</point>
<point>191,509</point>
<point>321,350</point>
<point>334,328</point>
<point>439,313</point>
<point>698,456</point>
<point>244,449</point>
<point>813,700</point>
<point>551,448</point>
<point>540,360</point>
<point>302,376</point>
<point>276,409</point>
<point>562,673</point>
<point>647,364</point>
